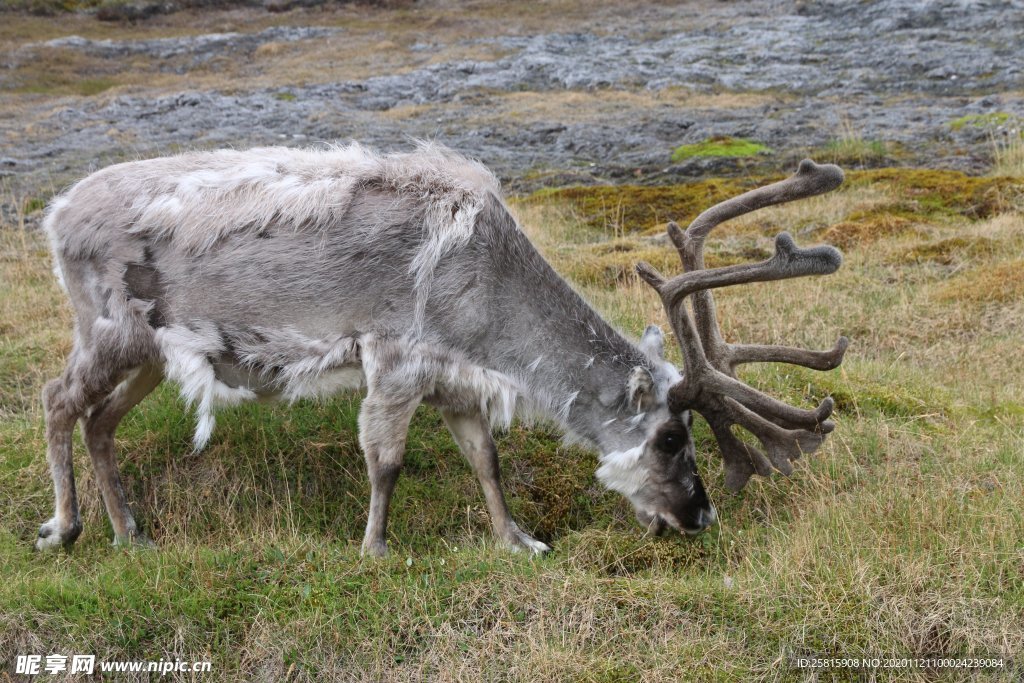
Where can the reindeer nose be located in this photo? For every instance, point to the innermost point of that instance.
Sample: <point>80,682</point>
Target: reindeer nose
<point>705,518</point>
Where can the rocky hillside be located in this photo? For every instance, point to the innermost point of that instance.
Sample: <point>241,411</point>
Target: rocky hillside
<point>570,93</point>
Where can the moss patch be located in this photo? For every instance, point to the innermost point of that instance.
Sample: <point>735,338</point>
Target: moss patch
<point>720,147</point>
<point>631,208</point>
<point>989,120</point>
<point>922,194</point>
<point>625,553</point>
<point>1001,283</point>
<point>608,265</point>
<point>865,228</point>
<point>551,488</point>
<point>946,193</point>
<point>861,395</point>
<point>59,85</point>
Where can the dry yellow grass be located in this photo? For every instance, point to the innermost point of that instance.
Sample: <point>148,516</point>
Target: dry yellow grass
<point>582,106</point>
<point>1001,283</point>
<point>866,230</point>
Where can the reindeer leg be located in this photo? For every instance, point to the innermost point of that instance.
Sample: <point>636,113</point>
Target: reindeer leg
<point>473,435</point>
<point>84,381</point>
<point>66,524</point>
<point>383,427</point>
<point>98,430</point>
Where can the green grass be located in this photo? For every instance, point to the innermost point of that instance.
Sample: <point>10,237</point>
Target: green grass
<point>900,537</point>
<point>720,147</point>
<point>855,151</point>
<point>60,85</point>
<point>989,120</point>
<point>1008,153</point>
<point>851,149</point>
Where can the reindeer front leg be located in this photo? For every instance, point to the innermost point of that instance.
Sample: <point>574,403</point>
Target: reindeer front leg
<point>383,427</point>
<point>473,435</point>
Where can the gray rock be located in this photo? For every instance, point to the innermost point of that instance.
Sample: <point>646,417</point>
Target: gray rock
<point>898,71</point>
<point>199,48</point>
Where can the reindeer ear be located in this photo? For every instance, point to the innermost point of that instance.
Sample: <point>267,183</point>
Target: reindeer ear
<point>640,389</point>
<point>653,342</point>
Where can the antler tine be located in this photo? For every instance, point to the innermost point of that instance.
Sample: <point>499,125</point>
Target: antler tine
<point>789,261</point>
<point>783,445</point>
<point>810,179</point>
<point>763,404</point>
<point>762,353</point>
<point>741,459</point>
<point>710,385</point>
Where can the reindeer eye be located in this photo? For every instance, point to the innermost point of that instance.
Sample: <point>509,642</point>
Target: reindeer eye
<point>670,442</point>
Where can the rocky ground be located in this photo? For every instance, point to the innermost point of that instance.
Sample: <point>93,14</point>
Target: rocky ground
<point>606,94</point>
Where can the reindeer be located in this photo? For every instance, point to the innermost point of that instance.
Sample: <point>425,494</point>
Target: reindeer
<point>293,273</point>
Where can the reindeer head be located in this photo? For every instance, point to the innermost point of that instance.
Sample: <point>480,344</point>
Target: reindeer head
<point>660,477</point>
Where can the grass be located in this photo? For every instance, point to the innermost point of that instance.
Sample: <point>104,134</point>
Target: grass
<point>1006,133</point>
<point>989,120</point>
<point>1003,282</point>
<point>618,210</point>
<point>900,537</point>
<point>851,149</point>
<point>46,7</point>
<point>720,147</point>
<point>887,200</point>
<point>856,151</point>
<point>1008,153</point>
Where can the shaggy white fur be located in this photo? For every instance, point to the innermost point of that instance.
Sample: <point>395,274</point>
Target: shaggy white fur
<point>305,367</point>
<point>187,353</point>
<point>623,471</point>
<point>405,366</point>
<point>49,227</point>
<point>302,189</point>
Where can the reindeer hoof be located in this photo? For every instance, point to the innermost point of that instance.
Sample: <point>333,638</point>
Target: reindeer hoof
<point>374,549</point>
<point>518,540</point>
<point>51,535</point>
<point>134,540</point>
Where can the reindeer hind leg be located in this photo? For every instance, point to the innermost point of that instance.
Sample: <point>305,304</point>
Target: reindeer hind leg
<point>66,524</point>
<point>85,380</point>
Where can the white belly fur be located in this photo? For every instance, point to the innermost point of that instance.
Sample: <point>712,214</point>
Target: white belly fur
<point>284,364</point>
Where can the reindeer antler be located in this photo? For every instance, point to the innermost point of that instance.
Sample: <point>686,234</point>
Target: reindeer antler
<point>709,385</point>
